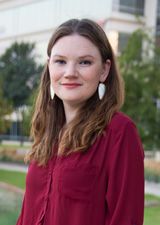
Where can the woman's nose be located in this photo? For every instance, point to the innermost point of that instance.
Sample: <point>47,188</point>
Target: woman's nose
<point>70,70</point>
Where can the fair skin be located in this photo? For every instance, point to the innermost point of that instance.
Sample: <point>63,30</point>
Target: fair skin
<point>76,68</point>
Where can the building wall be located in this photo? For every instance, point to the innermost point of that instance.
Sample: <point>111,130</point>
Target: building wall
<point>125,23</point>
<point>35,20</point>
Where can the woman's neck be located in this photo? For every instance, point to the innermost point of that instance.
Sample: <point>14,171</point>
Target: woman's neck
<point>70,112</point>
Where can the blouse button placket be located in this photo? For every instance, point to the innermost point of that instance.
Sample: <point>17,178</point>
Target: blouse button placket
<point>46,196</point>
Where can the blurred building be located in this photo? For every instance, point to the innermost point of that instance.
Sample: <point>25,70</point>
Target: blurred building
<point>35,20</point>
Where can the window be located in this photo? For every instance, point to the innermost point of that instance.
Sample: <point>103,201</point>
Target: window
<point>122,41</point>
<point>158,25</point>
<point>135,7</point>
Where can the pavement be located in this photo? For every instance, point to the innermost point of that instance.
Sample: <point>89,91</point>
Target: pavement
<point>150,187</point>
<point>13,167</point>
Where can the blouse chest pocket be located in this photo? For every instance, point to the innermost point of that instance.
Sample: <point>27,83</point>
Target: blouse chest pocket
<point>77,183</point>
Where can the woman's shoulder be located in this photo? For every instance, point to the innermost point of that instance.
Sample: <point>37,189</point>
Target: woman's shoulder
<point>120,121</point>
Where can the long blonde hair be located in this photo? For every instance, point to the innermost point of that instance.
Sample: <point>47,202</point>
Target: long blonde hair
<point>49,118</point>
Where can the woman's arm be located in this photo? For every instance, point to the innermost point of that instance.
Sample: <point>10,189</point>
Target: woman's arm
<point>125,189</point>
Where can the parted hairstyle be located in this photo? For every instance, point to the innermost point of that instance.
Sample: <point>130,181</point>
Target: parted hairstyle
<point>50,134</point>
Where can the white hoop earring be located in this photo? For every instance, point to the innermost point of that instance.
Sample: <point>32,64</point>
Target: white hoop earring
<point>51,92</point>
<point>101,90</point>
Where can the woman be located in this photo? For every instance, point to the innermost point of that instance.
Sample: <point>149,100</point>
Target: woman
<point>86,163</point>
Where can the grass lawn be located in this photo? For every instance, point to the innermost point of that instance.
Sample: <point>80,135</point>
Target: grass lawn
<point>10,206</point>
<point>13,177</point>
<point>150,197</point>
<point>152,216</point>
<point>10,202</point>
<point>9,217</point>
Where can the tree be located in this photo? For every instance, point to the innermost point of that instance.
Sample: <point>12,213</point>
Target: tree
<point>20,72</point>
<point>5,108</point>
<point>27,114</point>
<point>141,73</point>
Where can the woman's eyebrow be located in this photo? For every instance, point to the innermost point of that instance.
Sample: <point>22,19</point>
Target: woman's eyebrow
<point>57,55</point>
<point>80,57</point>
<point>87,56</point>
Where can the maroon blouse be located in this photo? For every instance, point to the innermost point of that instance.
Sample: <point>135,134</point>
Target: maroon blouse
<point>104,186</point>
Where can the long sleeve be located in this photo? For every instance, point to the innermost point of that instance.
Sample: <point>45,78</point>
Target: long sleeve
<point>125,189</point>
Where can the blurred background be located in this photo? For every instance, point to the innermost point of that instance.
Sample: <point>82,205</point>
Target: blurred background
<point>133,28</point>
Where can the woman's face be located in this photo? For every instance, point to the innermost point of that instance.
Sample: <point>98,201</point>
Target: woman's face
<point>76,68</point>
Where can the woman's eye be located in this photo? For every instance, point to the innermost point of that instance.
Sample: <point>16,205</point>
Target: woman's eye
<point>85,62</point>
<point>60,61</point>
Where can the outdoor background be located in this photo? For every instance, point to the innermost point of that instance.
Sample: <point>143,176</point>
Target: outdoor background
<point>133,28</point>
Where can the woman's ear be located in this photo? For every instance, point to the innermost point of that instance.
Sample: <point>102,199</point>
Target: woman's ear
<point>105,71</point>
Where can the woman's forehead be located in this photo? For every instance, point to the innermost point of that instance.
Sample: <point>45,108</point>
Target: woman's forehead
<point>76,44</point>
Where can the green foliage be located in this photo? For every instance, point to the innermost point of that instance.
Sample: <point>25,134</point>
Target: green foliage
<point>27,114</point>
<point>152,176</point>
<point>5,108</point>
<point>19,72</point>
<point>140,69</point>
<point>19,76</point>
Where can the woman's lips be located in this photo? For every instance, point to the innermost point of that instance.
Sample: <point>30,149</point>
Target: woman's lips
<point>71,85</point>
